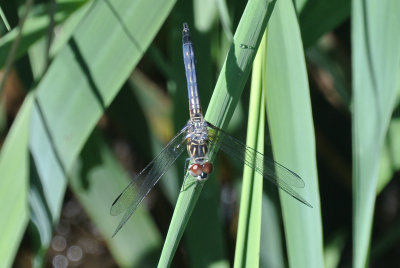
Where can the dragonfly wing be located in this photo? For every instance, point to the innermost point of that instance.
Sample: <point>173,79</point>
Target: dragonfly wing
<point>272,171</point>
<point>136,191</point>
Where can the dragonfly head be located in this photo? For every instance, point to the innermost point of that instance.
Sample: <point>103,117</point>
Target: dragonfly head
<point>201,171</point>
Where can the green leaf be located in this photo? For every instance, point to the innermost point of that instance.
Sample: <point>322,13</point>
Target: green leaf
<point>249,228</point>
<point>4,19</point>
<point>14,172</point>
<point>82,81</point>
<point>292,135</point>
<point>35,27</point>
<point>95,180</point>
<point>375,60</point>
<point>390,158</point>
<point>271,248</point>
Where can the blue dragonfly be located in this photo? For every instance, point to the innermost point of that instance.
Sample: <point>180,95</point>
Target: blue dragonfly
<point>199,136</point>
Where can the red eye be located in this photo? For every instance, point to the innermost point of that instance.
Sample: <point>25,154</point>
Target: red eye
<point>195,170</point>
<point>207,167</point>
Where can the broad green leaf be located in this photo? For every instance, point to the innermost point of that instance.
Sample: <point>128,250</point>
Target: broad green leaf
<point>292,135</point>
<point>68,28</point>
<point>375,61</point>
<point>229,87</point>
<point>14,172</point>
<point>81,82</point>
<point>272,253</point>
<point>39,52</point>
<point>35,27</point>
<point>95,180</point>
<point>299,4</point>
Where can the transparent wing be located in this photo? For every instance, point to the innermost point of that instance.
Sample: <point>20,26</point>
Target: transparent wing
<point>274,172</point>
<point>135,192</point>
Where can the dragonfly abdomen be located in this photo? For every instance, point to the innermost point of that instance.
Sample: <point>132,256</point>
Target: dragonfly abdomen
<point>190,68</point>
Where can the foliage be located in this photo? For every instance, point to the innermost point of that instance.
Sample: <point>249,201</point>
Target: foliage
<point>91,91</point>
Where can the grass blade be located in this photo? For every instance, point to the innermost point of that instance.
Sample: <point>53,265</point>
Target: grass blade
<point>82,81</point>
<point>289,114</point>
<point>4,19</point>
<point>249,229</point>
<point>14,170</point>
<point>94,181</point>
<point>375,57</point>
<point>34,28</point>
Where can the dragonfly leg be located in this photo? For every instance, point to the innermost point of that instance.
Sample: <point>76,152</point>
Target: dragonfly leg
<point>187,161</point>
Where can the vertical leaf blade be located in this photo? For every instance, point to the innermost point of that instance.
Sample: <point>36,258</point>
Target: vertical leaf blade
<point>249,228</point>
<point>375,57</point>
<point>79,85</point>
<point>96,178</point>
<point>14,170</point>
<point>292,134</point>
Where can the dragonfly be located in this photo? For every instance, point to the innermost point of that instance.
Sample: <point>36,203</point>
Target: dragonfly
<point>199,137</point>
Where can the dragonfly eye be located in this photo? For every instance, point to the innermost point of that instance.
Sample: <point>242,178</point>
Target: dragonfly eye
<point>207,167</point>
<point>195,170</point>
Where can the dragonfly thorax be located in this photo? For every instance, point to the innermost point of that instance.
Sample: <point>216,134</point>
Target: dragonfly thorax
<point>197,139</point>
<point>197,129</point>
<point>197,146</point>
